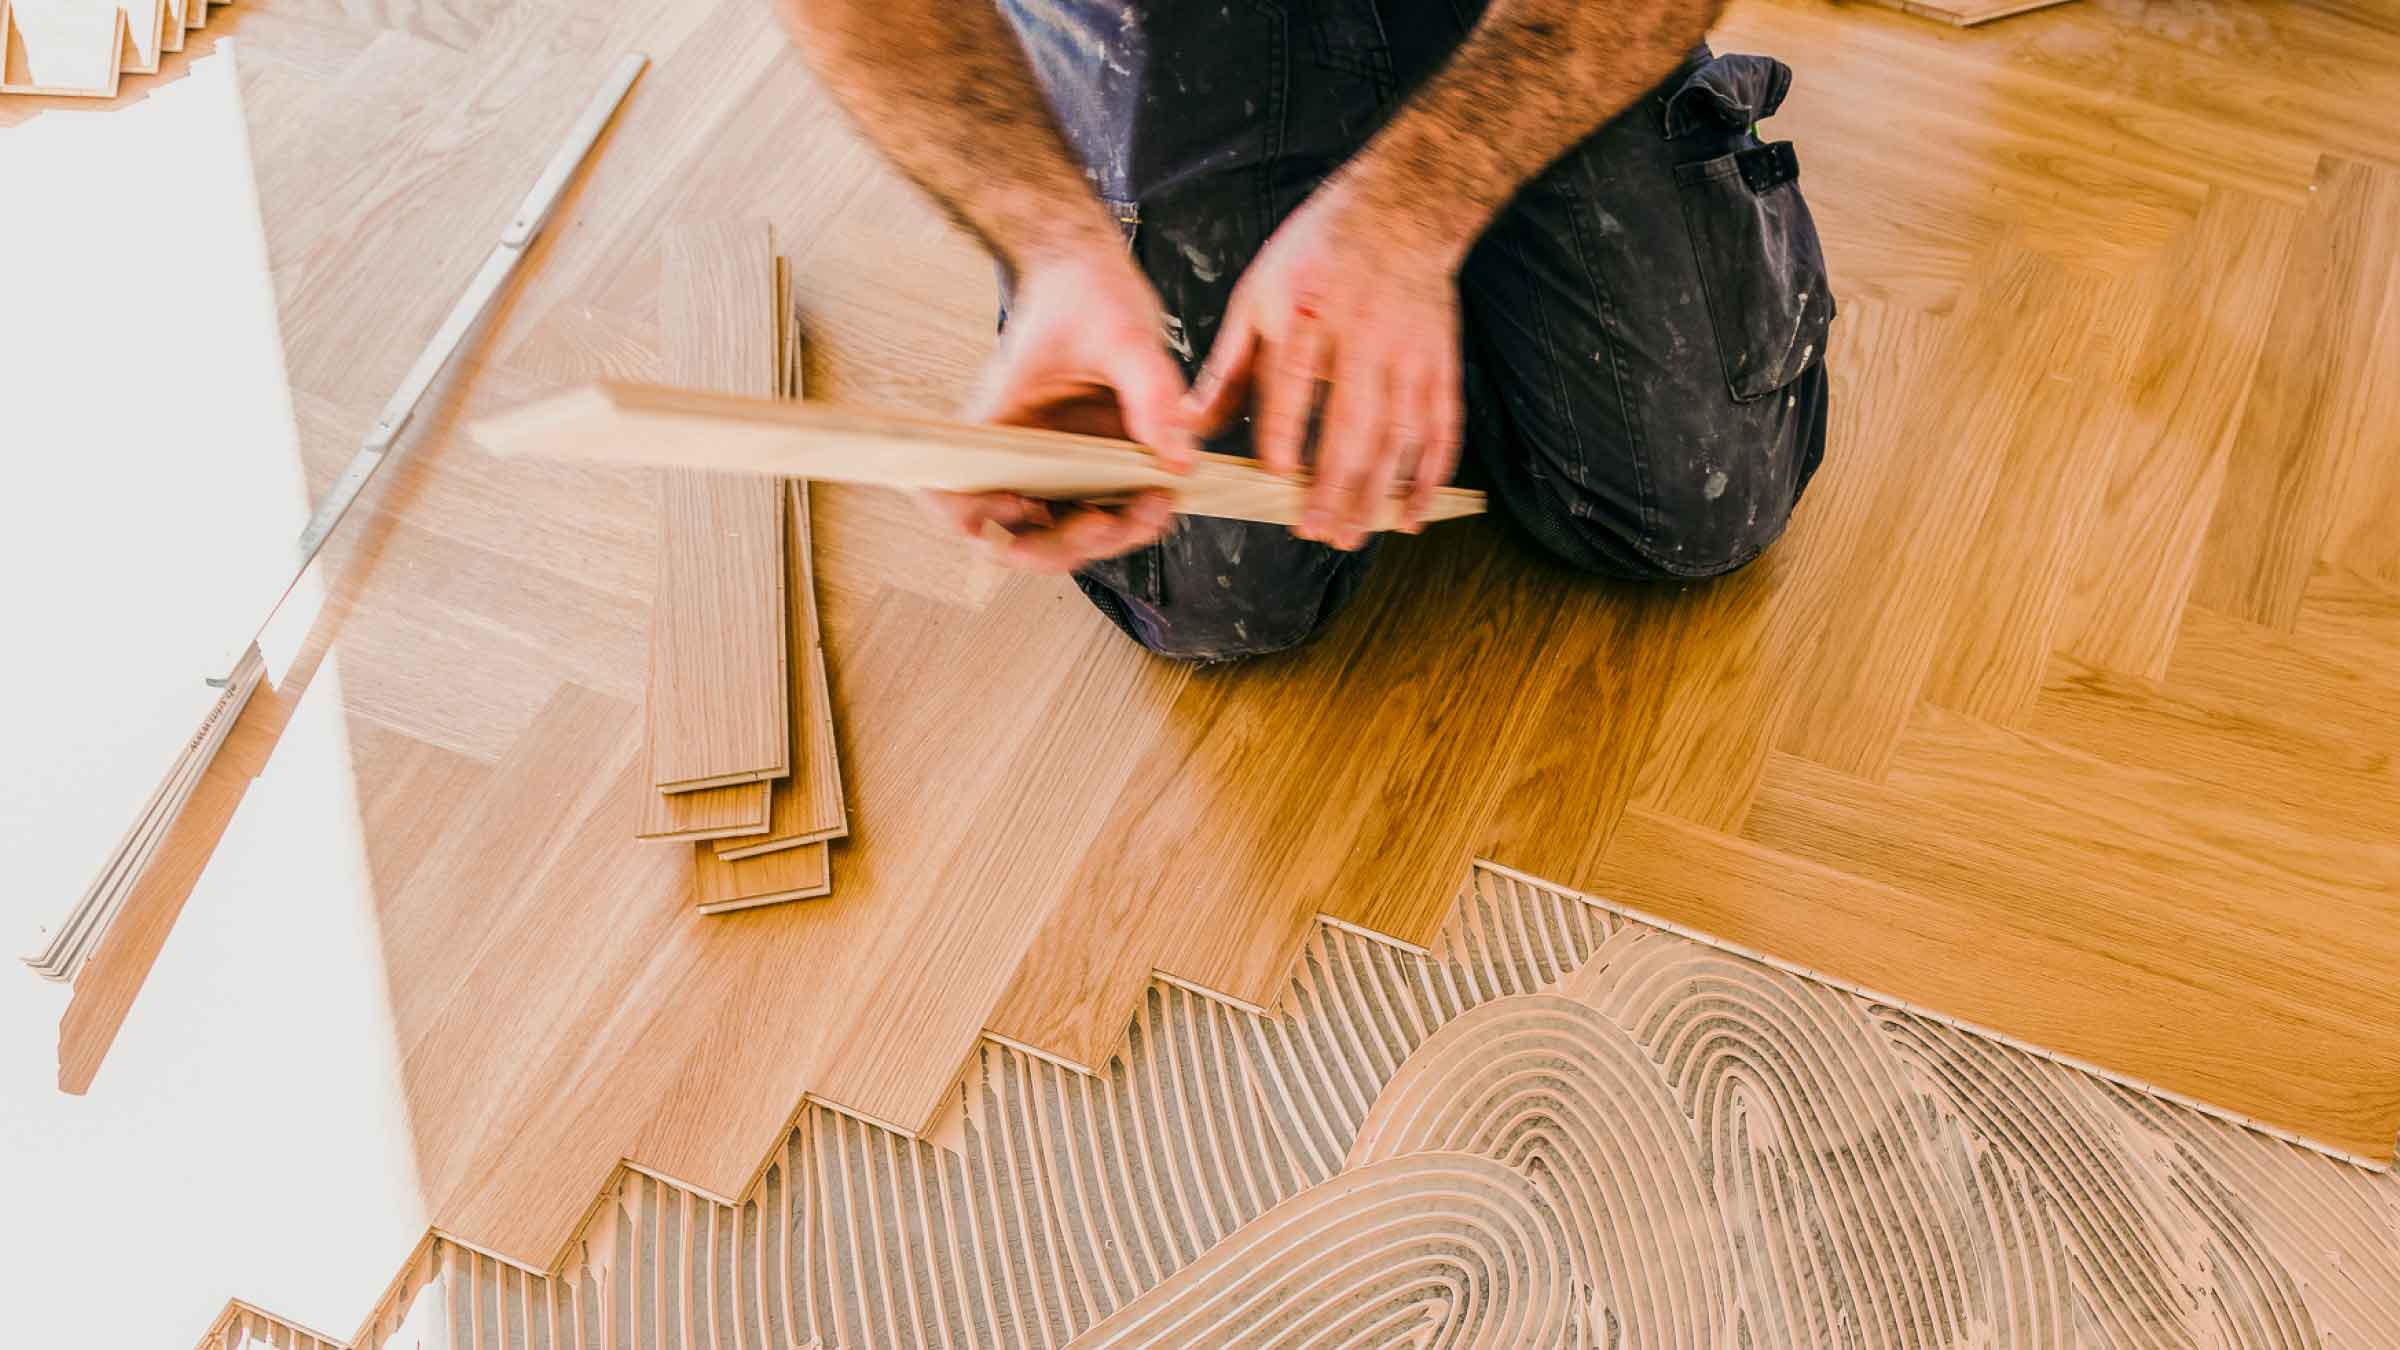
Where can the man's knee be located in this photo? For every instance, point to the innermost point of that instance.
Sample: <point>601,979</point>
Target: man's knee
<point>1703,495</point>
<point>1220,590</point>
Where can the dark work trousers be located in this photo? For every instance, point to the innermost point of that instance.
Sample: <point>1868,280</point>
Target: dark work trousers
<point>1644,325</point>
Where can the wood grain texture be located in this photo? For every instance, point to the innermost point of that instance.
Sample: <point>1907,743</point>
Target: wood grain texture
<point>808,806</point>
<point>720,885</point>
<point>2315,772</point>
<point>2320,405</point>
<point>621,423</point>
<point>2366,499</point>
<point>2343,684</point>
<point>2089,881</point>
<point>1989,658</point>
<point>718,700</point>
<point>2024,325</point>
<point>734,811</point>
<point>2166,477</point>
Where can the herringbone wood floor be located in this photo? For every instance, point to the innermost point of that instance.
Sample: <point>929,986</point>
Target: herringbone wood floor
<point>2067,707</point>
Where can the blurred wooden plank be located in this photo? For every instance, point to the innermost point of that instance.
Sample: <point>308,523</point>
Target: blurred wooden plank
<point>615,422</point>
<point>1967,13</point>
<point>60,48</point>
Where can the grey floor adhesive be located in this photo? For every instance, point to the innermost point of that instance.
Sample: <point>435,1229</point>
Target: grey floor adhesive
<point>1561,1128</point>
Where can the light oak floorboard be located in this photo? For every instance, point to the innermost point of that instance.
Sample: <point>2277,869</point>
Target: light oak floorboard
<point>807,806</point>
<point>2320,405</point>
<point>2167,473</point>
<point>718,700</point>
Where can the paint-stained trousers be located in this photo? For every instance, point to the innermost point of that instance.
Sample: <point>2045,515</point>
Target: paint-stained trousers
<point>1644,325</point>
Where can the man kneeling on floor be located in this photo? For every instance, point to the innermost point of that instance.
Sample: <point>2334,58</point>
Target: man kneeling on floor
<point>1546,230</point>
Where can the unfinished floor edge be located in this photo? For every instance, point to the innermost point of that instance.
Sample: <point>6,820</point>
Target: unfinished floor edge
<point>1916,1010</point>
<point>1308,1086</point>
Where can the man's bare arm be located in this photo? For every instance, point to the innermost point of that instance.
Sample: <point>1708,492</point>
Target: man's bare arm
<point>1531,80</point>
<point>943,89</point>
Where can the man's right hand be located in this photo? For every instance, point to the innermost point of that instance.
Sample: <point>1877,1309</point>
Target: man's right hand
<point>1081,352</point>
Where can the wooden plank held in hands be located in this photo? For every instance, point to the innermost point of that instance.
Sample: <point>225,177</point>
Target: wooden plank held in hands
<point>717,704</point>
<point>623,423</point>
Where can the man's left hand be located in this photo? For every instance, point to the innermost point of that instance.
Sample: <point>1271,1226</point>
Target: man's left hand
<point>1343,304</point>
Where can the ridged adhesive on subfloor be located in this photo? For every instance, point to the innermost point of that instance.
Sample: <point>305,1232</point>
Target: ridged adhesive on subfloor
<point>1560,1128</point>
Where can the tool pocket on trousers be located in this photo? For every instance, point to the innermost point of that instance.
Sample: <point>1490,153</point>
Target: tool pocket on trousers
<point>1753,239</point>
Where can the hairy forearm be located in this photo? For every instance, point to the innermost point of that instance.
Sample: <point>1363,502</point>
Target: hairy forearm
<point>1531,80</point>
<point>944,90</point>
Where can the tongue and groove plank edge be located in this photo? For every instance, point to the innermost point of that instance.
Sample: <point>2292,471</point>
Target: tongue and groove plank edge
<point>717,711</point>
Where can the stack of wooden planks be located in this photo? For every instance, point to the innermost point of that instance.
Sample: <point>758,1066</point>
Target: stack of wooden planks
<point>79,48</point>
<point>78,935</point>
<point>738,734</point>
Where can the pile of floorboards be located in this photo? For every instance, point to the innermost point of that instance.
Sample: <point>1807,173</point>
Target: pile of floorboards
<point>739,718</point>
<point>79,48</point>
<point>73,942</point>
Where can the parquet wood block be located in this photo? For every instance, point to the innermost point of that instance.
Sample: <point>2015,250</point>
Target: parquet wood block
<point>2366,499</point>
<point>2316,772</point>
<point>807,806</point>
<point>2347,607</point>
<point>2030,320</point>
<point>718,703</point>
<point>2142,551</point>
<point>734,811</point>
<point>1988,661</point>
<point>2343,681</point>
<point>2320,411</point>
